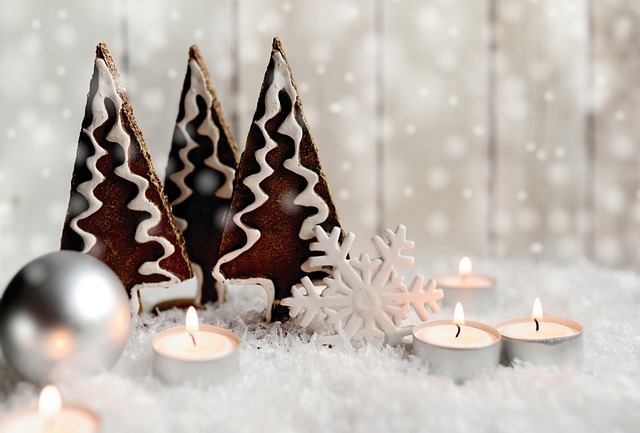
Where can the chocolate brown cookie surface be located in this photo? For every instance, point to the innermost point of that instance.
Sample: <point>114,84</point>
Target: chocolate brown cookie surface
<point>118,211</point>
<point>280,194</point>
<point>200,173</point>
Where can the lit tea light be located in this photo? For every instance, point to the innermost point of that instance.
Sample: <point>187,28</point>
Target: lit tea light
<point>195,353</point>
<point>460,349</point>
<point>541,339</point>
<point>476,292</point>
<point>51,417</point>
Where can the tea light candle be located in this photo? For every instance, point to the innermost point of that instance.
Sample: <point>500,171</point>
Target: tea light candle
<point>476,292</point>
<point>195,353</point>
<point>459,349</point>
<point>541,340</point>
<point>50,417</point>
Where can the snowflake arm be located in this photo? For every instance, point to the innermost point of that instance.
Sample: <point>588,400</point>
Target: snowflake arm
<point>420,295</point>
<point>390,250</point>
<point>334,253</point>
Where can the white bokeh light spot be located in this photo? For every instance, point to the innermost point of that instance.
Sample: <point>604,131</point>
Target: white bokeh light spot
<point>542,154</point>
<point>456,146</point>
<point>410,129</point>
<point>530,146</point>
<point>437,224</point>
<point>408,191</point>
<point>478,130</point>
<point>613,200</point>
<point>622,146</point>
<point>437,178</point>
<point>335,107</point>
<point>172,73</point>
<point>536,248</point>
<point>522,195</point>
<point>558,174</point>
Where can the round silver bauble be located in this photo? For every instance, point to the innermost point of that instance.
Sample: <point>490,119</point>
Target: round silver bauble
<point>62,315</point>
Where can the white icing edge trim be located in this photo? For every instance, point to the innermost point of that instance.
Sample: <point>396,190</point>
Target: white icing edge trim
<point>253,182</point>
<point>207,128</point>
<point>100,115</point>
<point>118,135</point>
<point>178,178</point>
<point>290,127</point>
<point>265,283</point>
<point>197,272</point>
<point>308,197</point>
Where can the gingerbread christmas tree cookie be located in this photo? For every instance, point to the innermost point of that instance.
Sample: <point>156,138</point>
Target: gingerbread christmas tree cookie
<point>280,195</point>
<point>117,209</point>
<point>200,173</point>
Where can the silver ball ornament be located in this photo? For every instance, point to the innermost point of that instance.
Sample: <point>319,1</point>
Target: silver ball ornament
<point>62,315</point>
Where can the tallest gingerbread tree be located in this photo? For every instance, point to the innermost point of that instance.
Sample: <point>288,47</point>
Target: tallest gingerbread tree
<point>280,194</point>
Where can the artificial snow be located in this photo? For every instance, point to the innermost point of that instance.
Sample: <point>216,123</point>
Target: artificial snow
<point>289,382</point>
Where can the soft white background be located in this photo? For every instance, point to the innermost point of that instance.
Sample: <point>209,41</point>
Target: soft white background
<point>524,150</point>
<point>526,147</point>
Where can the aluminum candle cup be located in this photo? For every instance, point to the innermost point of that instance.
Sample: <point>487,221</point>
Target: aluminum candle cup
<point>435,343</point>
<point>557,341</point>
<point>476,292</point>
<point>212,358</point>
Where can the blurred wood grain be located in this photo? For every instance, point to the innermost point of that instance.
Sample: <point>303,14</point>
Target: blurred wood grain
<point>489,127</point>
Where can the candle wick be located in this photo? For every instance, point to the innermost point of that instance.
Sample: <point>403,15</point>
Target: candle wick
<point>192,338</point>
<point>458,333</point>
<point>537,324</point>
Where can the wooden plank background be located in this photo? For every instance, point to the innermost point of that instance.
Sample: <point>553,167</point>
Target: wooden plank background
<point>492,127</point>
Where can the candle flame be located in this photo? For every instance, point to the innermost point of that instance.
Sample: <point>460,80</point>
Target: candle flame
<point>50,401</point>
<point>536,314</point>
<point>192,320</point>
<point>458,315</point>
<point>464,268</point>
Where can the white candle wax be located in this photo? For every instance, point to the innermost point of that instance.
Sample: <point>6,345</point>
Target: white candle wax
<point>471,281</point>
<point>209,346</point>
<point>526,330</point>
<point>214,357</point>
<point>474,351</point>
<point>445,336</point>
<point>70,419</point>
<point>557,341</point>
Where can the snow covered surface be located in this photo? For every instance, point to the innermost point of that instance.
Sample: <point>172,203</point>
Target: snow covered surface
<point>288,382</point>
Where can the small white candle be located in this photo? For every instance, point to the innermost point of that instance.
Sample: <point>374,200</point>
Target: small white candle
<point>209,345</point>
<point>50,417</point>
<point>541,339</point>
<point>194,352</point>
<point>459,349</point>
<point>476,292</point>
<point>456,334</point>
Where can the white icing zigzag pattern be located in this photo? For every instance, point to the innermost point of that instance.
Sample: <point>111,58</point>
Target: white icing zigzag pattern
<point>86,188</point>
<point>107,90</point>
<point>209,129</point>
<point>291,128</point>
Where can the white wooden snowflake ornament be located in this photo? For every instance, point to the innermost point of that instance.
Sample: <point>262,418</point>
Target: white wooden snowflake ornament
<point>363,300</point>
